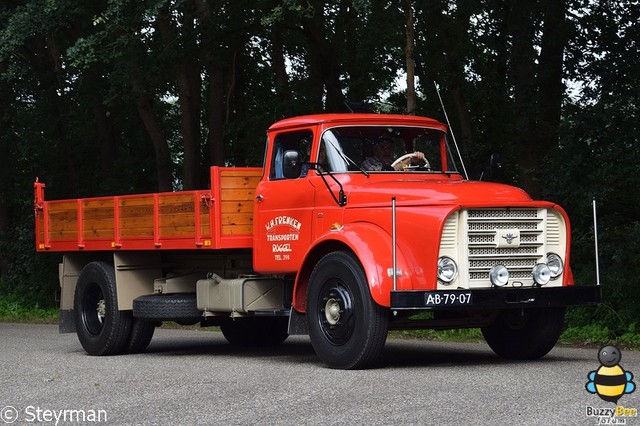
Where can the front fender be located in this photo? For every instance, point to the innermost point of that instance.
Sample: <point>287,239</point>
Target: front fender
<point>373,247</point>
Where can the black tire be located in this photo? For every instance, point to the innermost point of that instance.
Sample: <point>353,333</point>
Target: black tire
<point>347,328</point>
<point>178,307</point>
<point>102,329</point>
<point>140,337</point>
<point>525,334</point>
<point>255,331</point>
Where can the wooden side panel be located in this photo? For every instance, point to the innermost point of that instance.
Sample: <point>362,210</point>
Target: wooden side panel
<point>173,220</point>
<point>177,215</point>
<point>237,191</point>
<point>97,218</point>
<point>136,216</point>
<point>63,220</point>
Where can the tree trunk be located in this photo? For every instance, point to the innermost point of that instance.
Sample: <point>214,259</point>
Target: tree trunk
<point>156,134</point>
<point>215,115</point>
<point>281,79</point>
<point>408,54</point>
<point>187,72</point>
<point>455,49</point>
<point>551,87</point>
<point>5,167</point>
<point>521,26</point>
<point>324,70</point>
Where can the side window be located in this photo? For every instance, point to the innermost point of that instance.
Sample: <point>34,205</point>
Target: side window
<point>297,141</point>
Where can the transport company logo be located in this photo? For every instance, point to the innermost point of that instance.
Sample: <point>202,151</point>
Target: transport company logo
<point>283,228</point>
<point>281,231</point>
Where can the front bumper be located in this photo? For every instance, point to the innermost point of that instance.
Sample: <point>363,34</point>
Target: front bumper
<point>503,298</point>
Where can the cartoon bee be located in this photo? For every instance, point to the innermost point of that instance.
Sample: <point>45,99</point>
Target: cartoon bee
<point>610,381</point>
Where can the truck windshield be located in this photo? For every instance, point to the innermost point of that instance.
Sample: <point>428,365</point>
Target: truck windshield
<point>385,149</point>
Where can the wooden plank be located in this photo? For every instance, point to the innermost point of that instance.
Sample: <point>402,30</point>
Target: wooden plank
<point>137,222</point>
<point>64,215</point>
<point>237,194</point>
<point>136,211</point>
<point>237,219</point>
<point>240,172</point>
<point>239,182</point>
<point>98,223</point>
<point>136,232</point>
<point>63,235</point>
<point>98,213</point>
<point>171,209</point>
<point>56,226</point>
<point>55,206</point>
<point>97,203</point>
<point>89,234</point>
<point>177,220</point>
<point>129,201</point>
<point>177,197</point>
<point>236,206</point>
<point>237,229</point>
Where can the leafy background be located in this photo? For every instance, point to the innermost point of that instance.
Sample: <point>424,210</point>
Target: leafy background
<point>124,96</point>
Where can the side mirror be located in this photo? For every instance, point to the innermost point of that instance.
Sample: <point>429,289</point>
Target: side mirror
<point>292,164</point>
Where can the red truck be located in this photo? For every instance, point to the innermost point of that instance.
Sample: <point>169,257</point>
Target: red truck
<point>318,243</point>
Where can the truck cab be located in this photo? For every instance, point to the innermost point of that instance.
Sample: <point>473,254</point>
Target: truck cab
<point>422,238</point>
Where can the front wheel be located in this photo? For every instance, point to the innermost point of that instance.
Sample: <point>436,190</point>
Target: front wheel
<point>347,328</point>
<point>525,333</point>
<point>102,328</point>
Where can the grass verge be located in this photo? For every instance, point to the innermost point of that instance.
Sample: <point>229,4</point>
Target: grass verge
<point>16,312</point>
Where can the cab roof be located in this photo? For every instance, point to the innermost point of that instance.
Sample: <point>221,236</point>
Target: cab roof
<point>357,119</point>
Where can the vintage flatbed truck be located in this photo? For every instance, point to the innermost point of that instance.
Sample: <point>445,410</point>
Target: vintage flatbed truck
<point>313,243</point>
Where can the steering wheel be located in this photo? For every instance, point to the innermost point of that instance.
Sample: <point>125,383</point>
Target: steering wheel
<point>409,155</point>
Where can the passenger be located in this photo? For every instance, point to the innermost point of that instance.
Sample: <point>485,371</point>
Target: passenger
<point>383,151</point>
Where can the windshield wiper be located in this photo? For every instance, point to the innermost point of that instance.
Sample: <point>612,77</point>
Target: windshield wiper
<point>341,198</point>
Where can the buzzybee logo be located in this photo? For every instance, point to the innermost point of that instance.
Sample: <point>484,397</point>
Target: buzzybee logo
<point>610,381</point>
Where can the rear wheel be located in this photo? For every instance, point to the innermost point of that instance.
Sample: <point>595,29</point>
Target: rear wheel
<point>347,328</point>
<point>102,329</point>
<point>525,333</point>
<point>141,335</point>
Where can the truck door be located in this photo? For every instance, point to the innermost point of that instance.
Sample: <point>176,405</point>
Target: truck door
<point>283,206</point>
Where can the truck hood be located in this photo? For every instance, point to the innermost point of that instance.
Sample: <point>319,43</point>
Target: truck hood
<point>428,191</point>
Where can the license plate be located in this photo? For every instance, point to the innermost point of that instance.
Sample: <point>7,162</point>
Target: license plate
<point>442,298</point>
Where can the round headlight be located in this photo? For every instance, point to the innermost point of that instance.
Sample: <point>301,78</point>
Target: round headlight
<point>499,275</point>
<point>554,262</point>
<point>447,270</point>
<point>541,274</point>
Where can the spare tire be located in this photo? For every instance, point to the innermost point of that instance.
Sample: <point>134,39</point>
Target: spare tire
<point>179,307</point>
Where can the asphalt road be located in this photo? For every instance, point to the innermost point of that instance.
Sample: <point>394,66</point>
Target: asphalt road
<point>195,377</point>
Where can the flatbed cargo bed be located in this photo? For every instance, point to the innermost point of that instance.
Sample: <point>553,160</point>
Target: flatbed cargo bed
<point>216,218</point>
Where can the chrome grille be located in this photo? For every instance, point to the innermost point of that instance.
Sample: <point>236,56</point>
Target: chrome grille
<point>483,245</point>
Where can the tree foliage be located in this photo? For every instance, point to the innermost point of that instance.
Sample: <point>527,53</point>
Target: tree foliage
<point>123,96</point>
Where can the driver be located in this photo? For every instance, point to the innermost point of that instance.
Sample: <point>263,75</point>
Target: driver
<point>383,148</point>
